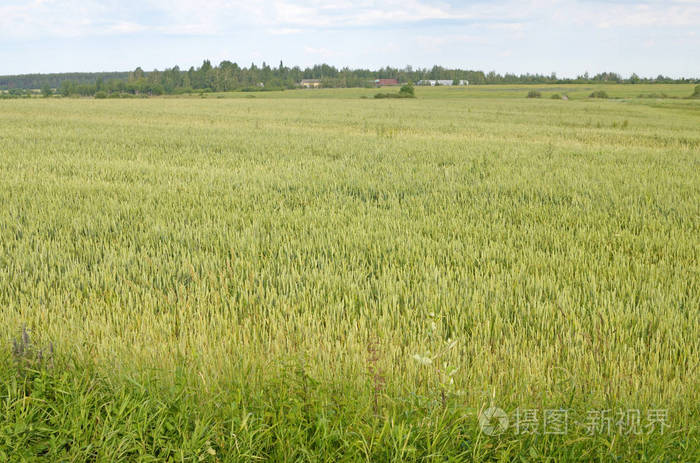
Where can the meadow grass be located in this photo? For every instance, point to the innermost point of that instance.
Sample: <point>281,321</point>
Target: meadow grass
<point>573,91</point>
<point>311,276</point>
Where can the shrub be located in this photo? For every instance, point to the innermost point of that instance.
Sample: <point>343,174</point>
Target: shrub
<point>407,91</point>
<point>101,94</point>
<point>556,96</point>
<point>16,93</point>
<point>157,89</point>
<point>696,94</point>
<point>599,94</point>
<point>534,94</point>
<point>8,96</point>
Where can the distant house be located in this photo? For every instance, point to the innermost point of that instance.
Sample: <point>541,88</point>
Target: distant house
<point>310,83</point>
<point>385,82</point>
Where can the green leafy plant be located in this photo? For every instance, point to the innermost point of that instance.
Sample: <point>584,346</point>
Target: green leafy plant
<point>407,91</point>
<point>28,356</point>
<point>599,94</point>
<point>442,371</point>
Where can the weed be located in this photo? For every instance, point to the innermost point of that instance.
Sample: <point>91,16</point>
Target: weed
<point>27,356</point>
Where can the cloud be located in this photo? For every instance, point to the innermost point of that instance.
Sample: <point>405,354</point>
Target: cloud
<point>361,13</point>
<point>639,14</point>
<point>285,31</point>
<point>562,35</point>
<point>70,18</point>
<point>442,40</point>
<point>23,19</point>
<point>320,52</point>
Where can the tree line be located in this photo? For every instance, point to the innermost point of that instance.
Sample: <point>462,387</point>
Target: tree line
<point>36,81</point>
<point>229,76</point>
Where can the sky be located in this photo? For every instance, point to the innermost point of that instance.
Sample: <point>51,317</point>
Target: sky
<point>569,37</point>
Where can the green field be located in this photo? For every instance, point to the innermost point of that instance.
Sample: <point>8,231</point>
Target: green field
<point>573,91</point>
<point>314,276</point>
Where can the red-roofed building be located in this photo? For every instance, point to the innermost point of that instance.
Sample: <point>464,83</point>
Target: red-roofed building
<point>383,82</point>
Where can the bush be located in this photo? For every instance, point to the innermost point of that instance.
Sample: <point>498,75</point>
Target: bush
<point>407,91</point>
<point>534,94</point>
<point>15,93</point>
<point>157,90</point>
<point>696,94</point>
<point>599,94</point>
<point>556,96</point>
<point>101,94</point>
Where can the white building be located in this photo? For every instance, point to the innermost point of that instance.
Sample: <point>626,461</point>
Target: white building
<point>445,82</point>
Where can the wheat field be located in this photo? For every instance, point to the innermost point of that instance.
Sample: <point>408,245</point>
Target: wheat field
<point>316,276</point>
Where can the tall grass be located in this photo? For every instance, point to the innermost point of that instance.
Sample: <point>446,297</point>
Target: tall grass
<point>232,279</point>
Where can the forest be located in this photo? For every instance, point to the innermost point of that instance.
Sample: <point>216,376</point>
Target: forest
<point>229,76</point>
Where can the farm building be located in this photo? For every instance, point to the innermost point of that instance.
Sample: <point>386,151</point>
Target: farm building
<point>310,83</point>
<point>384,82</point>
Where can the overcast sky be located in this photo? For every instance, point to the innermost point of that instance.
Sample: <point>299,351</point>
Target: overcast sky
<point>568,37</point>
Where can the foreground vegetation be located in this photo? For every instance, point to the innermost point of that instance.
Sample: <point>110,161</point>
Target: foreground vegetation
<point>313,276</point>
